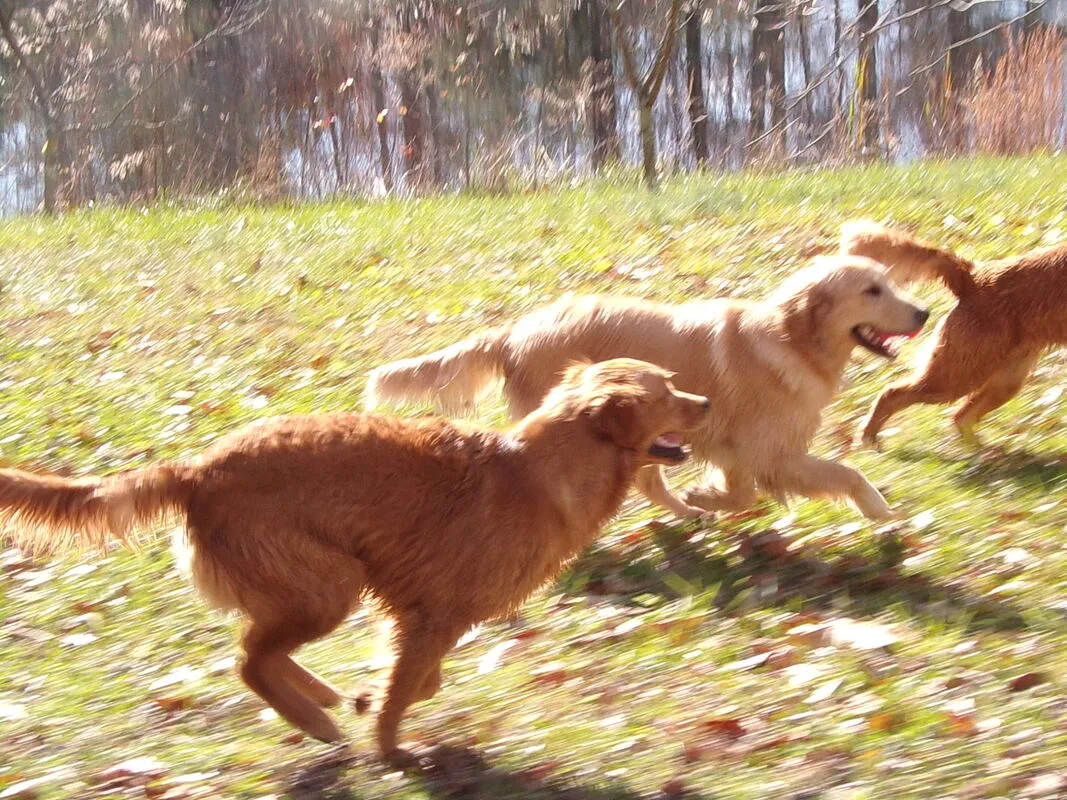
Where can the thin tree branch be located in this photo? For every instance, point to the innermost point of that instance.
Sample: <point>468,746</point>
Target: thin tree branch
<point>663,56</point>
<point>227,27</point>
<point>44,103</point>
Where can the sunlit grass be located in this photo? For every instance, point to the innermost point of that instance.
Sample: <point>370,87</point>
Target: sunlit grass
<point>128,336</point>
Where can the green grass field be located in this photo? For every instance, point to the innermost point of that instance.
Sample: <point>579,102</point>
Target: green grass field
<point>917,660</point>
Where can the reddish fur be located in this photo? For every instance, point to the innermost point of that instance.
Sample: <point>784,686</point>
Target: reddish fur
<point>1008,313</point>
<point>295,519</point>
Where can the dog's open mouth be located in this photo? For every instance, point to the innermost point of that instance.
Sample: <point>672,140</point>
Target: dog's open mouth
<point>880,342</point>
<point>668,446</point>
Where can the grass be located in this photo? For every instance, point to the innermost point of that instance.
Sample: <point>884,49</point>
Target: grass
<point>672,659</point>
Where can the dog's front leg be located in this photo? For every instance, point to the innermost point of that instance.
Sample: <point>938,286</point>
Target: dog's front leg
<point>651,484</point>
<point>421,645</point>
<point>814,477</point>
<point>738,493</point>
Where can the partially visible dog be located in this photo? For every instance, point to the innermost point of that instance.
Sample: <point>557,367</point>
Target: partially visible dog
<point>769,368</point>
<point>1007,313</point>
<point>294,520</point>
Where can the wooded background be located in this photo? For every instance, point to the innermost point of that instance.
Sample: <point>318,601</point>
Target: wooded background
<point>132,100</point>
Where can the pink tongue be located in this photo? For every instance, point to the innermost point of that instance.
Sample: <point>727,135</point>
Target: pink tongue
<point>669,440</point>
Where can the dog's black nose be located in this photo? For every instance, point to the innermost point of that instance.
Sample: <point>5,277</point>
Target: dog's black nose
<point>922,315</point>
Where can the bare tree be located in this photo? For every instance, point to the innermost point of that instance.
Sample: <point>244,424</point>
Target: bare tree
<point>646,88</point>
<point>601,105</point>
<point>698,111</point>
<point>767,72</point>
<point>867,76</point>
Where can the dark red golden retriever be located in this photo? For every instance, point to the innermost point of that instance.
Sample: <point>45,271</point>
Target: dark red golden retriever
<point>295,520</point>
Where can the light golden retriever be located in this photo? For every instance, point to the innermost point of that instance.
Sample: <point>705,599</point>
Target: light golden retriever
<point>769,368</point>
<point>294,520</point>
<point>1008,313</point>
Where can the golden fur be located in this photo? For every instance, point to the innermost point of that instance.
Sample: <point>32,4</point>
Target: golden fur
<point>1007,313</point>
<point>294,520</point>
<point>769,368</point>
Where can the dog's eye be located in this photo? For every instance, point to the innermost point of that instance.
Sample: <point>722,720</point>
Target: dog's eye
<point>873,291</point>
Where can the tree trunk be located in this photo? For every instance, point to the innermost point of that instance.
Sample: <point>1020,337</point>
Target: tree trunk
<point>647,87</point>
<point>868,77</point>
<point>648,145</point>
<point>698,111</point>
<point>414,126</point>
<point>434,120</point>
<point>962,58</point>
<point>58,170</point>
<point>776,70</point>
<point>757,76</point>
<point>602,108</point>
<point>805,66</point>
<point>380,110</point>
<point>414,133</point>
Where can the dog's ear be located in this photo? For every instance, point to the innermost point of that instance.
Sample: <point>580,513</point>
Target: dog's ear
<point>615,417</point>
<point>806,309</point>
<point>819,302</point>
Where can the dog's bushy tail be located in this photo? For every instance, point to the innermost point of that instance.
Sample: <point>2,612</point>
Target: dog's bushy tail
<point>46,513</point>
<point>453,378</point>
<point>908,259</point>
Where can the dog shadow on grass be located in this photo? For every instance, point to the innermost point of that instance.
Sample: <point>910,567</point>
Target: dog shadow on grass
<point>763,571</point>
<point>1026,468</point>
<point>443,771</point>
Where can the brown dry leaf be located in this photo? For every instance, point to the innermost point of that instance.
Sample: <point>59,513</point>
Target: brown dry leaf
<point>673,788</point>
<point>885,721</point>
<point>961,724</point>
<point>132,772</point>
<point>1028,680</point>
<point>172,705</point>
<point>729,727</point>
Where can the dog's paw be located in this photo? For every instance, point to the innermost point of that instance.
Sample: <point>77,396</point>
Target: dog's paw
<point>869,441</point>
<point>883,512</point>
<point>362,702</point>
<point>695,513</point>
<point>400,758</point>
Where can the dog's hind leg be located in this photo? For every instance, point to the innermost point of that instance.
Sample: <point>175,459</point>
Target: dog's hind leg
<point>265,670</point>
<point>814,477</point>
<point>998,390</point>
<point>320,588</point>
<point>311,685</point>
<point>651,484</point>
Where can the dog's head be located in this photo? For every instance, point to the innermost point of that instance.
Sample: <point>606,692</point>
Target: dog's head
<point>634,405</point>
<point>848,300</point>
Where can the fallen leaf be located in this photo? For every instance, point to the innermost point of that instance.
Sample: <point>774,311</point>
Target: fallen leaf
<point>726,727</point>
<point>672,789</point>
<point>23,790</point>
<point>860,635</point>
<point>1028,680</point>
<point>78,639</point>
<point>173,705</point>
<point>131,772</point>
<point>825,691</point>
<point>885,721</point>
<point>491,660</point>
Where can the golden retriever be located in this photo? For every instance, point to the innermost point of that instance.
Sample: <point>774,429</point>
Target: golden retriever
<point>294,520</point>
<point>1007,314</point>
<point>769,368</point>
